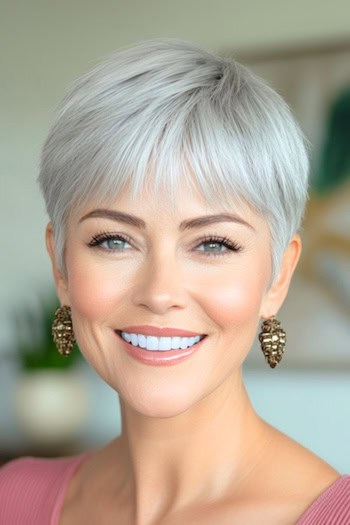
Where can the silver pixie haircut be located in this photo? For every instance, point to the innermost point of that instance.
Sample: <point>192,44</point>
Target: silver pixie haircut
<point>168,108</point>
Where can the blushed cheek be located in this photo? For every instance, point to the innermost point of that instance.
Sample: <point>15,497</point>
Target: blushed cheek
<point>93,292</point>
<point>234,301</point>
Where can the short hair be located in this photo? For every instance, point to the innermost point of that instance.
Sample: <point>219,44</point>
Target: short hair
<point>168,107</point>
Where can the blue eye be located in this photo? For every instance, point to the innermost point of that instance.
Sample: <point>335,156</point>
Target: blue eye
<point>219,246</point>
<point>114,242</point>
<point>213,247</point>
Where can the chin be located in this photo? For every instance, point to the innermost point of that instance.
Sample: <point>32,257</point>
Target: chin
<point>159,403</point>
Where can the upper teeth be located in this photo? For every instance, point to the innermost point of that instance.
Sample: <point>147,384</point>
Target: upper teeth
<point>151,342</point>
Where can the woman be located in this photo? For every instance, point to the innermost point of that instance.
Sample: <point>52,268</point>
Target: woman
<point>175,181</point>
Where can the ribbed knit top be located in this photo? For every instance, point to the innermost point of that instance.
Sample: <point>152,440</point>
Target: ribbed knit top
<point>32,492</point>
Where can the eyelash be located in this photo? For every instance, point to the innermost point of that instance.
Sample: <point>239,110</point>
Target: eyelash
<point>231,246</point>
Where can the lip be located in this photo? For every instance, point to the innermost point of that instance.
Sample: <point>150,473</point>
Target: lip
<point>158,357</point>
<point>158,331</point>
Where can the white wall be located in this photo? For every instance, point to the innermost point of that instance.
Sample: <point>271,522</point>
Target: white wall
<point>43,46</point>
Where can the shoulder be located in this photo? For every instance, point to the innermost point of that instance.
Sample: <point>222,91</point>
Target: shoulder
<point>332,505</point>
<point>30,488</point>
<point>295,478</point>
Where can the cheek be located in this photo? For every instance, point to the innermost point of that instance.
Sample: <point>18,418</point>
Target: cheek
<point>230,295</point>
<point>94,289</point>
<point>97,297</point>
<point>233,298</point>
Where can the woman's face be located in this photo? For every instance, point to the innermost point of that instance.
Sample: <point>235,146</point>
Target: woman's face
<point>166,275</point>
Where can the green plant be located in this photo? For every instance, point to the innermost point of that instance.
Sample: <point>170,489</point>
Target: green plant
<point>35,346</point>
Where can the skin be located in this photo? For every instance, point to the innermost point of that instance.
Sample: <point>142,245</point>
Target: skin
<point>192,448</point>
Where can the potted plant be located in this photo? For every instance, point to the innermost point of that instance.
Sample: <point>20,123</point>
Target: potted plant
<point>51,396</point>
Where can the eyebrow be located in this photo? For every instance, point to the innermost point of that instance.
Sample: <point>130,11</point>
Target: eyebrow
<point>132,220</point>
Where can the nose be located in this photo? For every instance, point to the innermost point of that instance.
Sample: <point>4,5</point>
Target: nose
<point>160,286</point>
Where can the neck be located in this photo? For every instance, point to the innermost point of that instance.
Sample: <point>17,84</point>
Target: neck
<point>201,455</point>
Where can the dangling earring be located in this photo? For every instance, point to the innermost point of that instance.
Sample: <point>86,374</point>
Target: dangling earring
<point>273,340</point>
<point>62,330</point>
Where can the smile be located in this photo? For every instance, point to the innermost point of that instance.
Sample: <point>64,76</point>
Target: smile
<point>160,344</point>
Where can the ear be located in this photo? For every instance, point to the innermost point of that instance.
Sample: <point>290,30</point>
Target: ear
<point>276,295</point>
<point>60,280</point>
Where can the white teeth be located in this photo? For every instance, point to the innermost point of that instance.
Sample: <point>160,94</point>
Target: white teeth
<point>164,343</point>
<point>176,342</point>
<point>126,336</point>
<point>134,340</point>
<point>151,343</point>
<point>161,344</point>
<point>142,341</point>
<point>184,343</point>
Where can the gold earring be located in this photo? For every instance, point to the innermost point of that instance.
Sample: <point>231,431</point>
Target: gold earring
<point>62,330</point>
<point>273,341</point>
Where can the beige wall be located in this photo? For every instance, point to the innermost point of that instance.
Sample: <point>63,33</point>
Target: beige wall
<point>45,44</point>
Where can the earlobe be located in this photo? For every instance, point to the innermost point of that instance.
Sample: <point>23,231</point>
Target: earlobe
<point>276,295</point>
<point>60,281</point>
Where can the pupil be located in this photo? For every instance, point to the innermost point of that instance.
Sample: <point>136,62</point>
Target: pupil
<point>212,246</point>
<point>113,242</point>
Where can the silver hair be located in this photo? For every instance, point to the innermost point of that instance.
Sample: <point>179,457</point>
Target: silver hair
<point>170,108</point>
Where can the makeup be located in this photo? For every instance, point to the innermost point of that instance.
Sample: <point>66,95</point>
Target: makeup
<point>159,357</point>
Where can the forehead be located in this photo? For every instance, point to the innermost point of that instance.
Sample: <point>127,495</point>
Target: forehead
<point>180,191</point>
<point>155,209</point>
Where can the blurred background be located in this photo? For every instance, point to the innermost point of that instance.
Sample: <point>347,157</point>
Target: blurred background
<point>49,406</point>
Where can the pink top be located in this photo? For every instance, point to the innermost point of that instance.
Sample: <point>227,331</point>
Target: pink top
<point>32,491</point>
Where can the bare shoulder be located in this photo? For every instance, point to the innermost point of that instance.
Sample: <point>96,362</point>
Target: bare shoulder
<point>300,462</point>
<point>281,486</point>
<point>95,472</point>
<point>291,477</point>
<point>88,470</point>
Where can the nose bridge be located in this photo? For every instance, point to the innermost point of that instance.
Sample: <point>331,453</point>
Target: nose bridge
<point>160,283</point>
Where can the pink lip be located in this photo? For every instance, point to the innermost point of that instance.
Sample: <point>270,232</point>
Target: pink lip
<point>158,331</point>
<point>158,357</point>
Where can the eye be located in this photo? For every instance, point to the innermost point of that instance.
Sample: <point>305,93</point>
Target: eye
<point>113,242</point>
<point>218,246</point>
